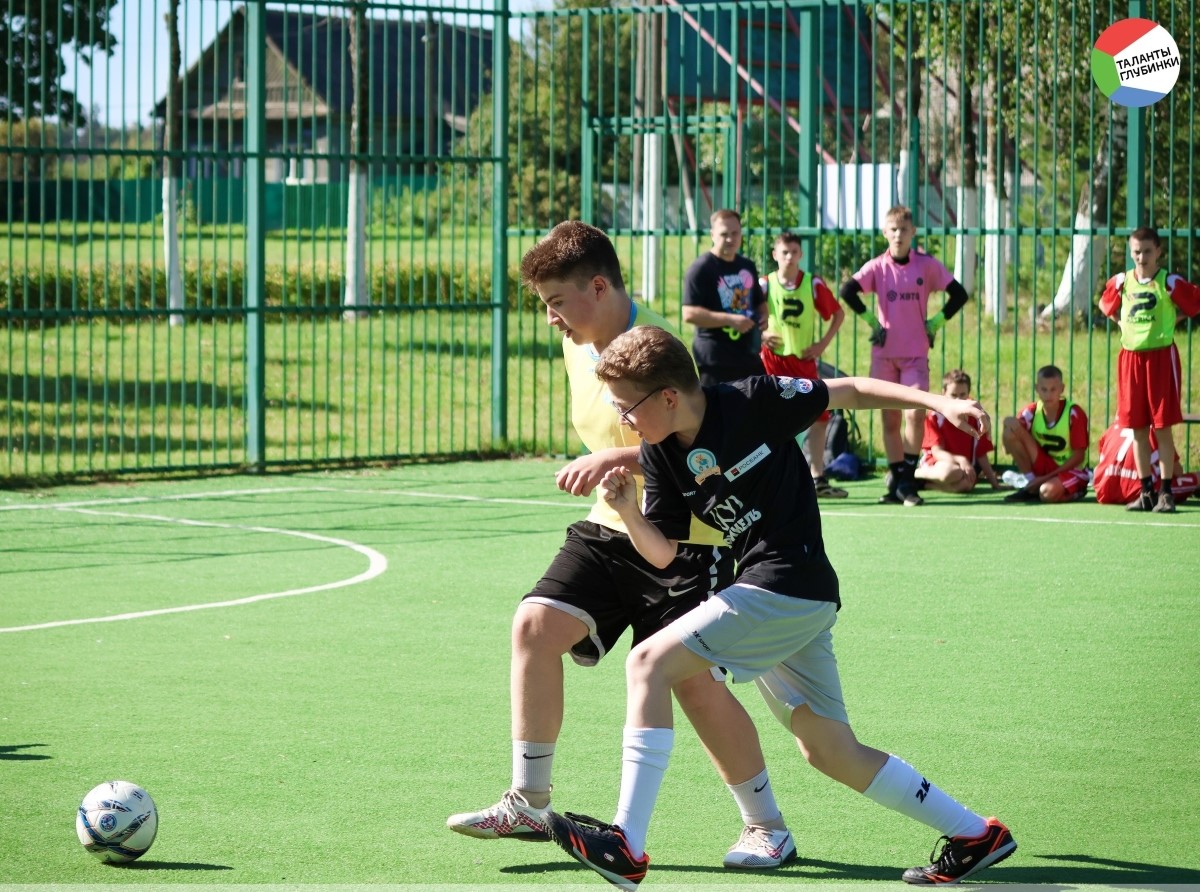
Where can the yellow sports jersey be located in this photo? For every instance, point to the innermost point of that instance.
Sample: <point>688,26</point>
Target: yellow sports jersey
<point>599,425</point>
<point>1147,313</point>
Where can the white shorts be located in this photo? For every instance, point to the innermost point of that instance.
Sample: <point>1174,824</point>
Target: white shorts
<point>783,644</point>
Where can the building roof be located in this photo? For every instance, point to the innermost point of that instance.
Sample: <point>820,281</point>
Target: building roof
<point>308,68</point>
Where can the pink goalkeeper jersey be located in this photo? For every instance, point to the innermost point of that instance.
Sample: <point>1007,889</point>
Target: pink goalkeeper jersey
<point>902,306</point>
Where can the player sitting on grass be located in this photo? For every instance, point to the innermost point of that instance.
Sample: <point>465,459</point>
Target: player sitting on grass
<point>727,454</point>
<point>953,460</point>
<point>1048,442</point>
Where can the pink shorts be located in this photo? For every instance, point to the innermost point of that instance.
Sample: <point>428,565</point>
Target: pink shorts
<point>912,371</point>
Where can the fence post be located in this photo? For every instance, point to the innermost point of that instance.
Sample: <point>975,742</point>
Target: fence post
<point>808,98</point>
<point>500,223</point>
<point>255,299</point>
<point>1135,158</point>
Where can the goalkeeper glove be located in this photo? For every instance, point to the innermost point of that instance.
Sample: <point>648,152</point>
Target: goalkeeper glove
<point>878,332</point>
<point>933,325</point>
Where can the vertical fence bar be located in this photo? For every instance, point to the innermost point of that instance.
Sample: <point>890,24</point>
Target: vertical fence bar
<point>1135,170</point>
<point>500,180</point>
<point>256,99</point>
<point>809,100</point>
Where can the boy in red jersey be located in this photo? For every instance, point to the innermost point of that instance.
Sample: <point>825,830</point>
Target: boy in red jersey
<point>1145,302</point>
<point>1116,479</point>
<point>790,343</point>
<point>952,460</point>
<point>1048,441</point>
<point>902,279</point>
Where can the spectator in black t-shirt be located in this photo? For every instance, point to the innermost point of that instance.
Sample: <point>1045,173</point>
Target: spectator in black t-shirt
<point>723,299</point>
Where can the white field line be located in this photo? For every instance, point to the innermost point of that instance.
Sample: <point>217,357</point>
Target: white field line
<point>376,565</point>
<point>142,500</point>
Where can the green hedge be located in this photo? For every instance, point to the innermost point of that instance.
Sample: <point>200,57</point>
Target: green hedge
<point>79,290</point>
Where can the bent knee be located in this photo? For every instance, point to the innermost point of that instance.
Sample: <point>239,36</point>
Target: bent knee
<point>544,629</point>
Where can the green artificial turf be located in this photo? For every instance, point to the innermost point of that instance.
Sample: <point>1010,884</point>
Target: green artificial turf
<point>1039,662</point>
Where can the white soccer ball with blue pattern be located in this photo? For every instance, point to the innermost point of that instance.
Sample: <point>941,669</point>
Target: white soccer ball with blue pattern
<point>117,822</point>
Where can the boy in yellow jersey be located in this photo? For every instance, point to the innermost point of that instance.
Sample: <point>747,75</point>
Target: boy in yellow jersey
<point>598,585</point>
<point>1145,301</point>
<point>790,343</point>
<point>1048,441</point>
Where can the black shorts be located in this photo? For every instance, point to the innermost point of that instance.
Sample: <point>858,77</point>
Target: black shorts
<point>599,578</point>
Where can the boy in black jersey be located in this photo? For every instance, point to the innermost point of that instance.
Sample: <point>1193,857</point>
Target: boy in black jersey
<point>727,454</point>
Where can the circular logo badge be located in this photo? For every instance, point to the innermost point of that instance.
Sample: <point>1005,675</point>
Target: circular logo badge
<point>1135,62</point>
<point>108,823</point>
<point>701,460</point>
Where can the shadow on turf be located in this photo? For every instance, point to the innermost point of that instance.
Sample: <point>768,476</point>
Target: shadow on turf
<point>1080,870</point>
<point>170,865</point>
<point>10,754</point>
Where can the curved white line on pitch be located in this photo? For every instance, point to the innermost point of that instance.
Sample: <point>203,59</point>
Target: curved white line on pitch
<point>377,564</point>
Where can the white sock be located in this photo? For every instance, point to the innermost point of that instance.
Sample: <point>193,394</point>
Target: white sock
<point>644,756</point>
<point>532,764</point>
<point>900,787</point>
<point>756,801</point>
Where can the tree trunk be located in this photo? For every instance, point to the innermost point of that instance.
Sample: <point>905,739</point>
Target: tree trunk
<point>357,294</point>
<point>967,209</point>
<point>995,209</point>
<point>651,161</point>
<point>173,169</point>
<point>1079,272</point>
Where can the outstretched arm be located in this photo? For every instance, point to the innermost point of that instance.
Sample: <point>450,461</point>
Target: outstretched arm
<point>870,393</point>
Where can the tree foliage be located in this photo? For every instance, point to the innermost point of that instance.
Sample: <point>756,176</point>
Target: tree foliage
<point>34,38</point>
<point>546,110</point>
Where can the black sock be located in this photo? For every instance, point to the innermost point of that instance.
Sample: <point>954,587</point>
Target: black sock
<point>1148,486</point>
<point>897,469</point>
<point>1166,487</point>
<point>910,459</point>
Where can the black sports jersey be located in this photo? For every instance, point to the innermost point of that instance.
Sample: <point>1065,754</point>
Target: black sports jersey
<point>746,476</point>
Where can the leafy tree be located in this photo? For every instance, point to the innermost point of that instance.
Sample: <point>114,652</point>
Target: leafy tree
<point>20,145</point>
<point>1030,62</point>
<point>34,36</point>
<point>545,124</point>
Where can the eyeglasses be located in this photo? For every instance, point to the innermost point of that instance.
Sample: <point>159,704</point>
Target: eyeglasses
<point>624,413</point>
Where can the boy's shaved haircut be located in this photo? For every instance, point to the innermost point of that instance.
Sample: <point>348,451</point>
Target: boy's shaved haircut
<point>1049,371</point>
<point>899,213</point>
<point>1146,234</point>
<point>649,357</point>
<point>787,238</point>
<point>572,251</point>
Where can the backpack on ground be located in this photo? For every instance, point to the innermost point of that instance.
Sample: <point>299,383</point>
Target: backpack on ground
<point>841,435</point>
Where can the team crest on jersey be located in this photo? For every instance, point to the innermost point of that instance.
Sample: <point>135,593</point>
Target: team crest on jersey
<point>792,386</point>
<point>703,464</point>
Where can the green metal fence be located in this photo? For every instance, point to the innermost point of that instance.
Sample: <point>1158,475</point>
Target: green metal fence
<point>262,235</point>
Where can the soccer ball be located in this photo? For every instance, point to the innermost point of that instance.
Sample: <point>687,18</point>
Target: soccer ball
<point>117,822</point>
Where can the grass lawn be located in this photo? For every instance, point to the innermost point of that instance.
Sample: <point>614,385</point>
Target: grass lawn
<point>116,394</point>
